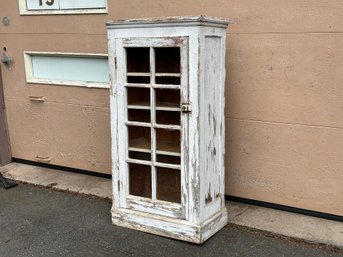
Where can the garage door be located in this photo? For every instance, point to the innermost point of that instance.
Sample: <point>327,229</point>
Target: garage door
<point>57,90</point>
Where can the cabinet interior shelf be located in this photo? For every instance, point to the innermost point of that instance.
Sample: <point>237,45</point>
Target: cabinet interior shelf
<point>158,86</point>
<point>168,127</point>
<point>138,149</point>
<point>166,108</point>
<point>175,75</point>
<point>168,153</point>
<point>156,164</point>
<point>157,125</point>
<point>160,106</point>
<point>162,152</point>
<point>148,74</point>
<point>138,124</point>
<point>138,74</point>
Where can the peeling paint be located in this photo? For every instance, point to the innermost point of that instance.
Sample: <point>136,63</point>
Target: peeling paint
<point>200,144</point>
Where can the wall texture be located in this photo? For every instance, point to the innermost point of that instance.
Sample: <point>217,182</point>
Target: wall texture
<point>284,94</point>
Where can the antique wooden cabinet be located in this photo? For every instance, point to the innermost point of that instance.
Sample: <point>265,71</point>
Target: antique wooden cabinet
<point>168,125</point>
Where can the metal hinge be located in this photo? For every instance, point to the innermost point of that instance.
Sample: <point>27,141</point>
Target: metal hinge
<point>186,107</point>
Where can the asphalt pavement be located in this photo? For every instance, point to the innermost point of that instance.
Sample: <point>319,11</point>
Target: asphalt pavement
<point>38,222</point>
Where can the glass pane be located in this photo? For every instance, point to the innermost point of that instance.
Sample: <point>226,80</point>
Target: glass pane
<point>138,80</point>
<point>169,159</point>
<point>138,59</point>
<point>140,180</point>
<point>70,68</point>
<point>168,59</point>
<point>168,80</point>
<point>167,98</point>
<point>168,140</point>
<point>139,137</point>
<point>168,185</point>
<point>138,96</point>
<point>139,115</point>
<point>139,156</point>
<point>168,118</point>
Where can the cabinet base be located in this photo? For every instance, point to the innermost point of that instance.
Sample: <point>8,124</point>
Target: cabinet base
<point>168,227</point>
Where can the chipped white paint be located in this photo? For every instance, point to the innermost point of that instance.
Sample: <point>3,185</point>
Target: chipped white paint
<point>212,125</point>
<point>201,212</point>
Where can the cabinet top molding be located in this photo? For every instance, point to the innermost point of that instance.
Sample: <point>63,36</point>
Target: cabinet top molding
<point>170,21</point>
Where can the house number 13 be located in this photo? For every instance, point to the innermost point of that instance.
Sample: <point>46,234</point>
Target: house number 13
<point>49,2</point>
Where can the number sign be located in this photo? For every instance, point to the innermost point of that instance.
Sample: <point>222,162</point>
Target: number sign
<point>42,4</point>
<point>36,5</point>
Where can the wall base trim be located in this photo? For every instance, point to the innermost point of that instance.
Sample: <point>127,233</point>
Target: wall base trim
<point>280,207</point>
<point>62,168</point>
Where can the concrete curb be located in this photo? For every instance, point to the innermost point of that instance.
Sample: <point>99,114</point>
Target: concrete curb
<point>298,226</point>
<point>310,229</point>
<point>60,180</point>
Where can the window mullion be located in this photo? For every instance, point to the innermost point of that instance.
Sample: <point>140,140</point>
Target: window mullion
<point>153,122</point>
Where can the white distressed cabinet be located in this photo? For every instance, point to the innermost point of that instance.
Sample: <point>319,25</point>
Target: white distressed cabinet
<point>168,125</point>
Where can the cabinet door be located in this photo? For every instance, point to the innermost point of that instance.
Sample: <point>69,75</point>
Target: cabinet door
<point>152,87</point>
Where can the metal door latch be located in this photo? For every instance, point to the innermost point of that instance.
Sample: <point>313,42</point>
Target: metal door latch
<point>186,107</point>
<point>6,60</point>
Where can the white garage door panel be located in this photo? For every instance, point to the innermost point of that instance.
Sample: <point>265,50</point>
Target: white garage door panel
<point>75,136</point>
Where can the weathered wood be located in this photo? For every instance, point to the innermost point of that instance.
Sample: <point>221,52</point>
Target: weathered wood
<point>5,150</point>
<point>212,121</point>
<point>195,179</point>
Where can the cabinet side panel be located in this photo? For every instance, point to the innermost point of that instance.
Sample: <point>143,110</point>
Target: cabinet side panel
<point>212,134</point>
<point>193,129</point>
<point>112,57</point>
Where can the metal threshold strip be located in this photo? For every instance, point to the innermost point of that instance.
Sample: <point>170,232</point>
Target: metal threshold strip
<point>280,207</point>
<point>63,168</point>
